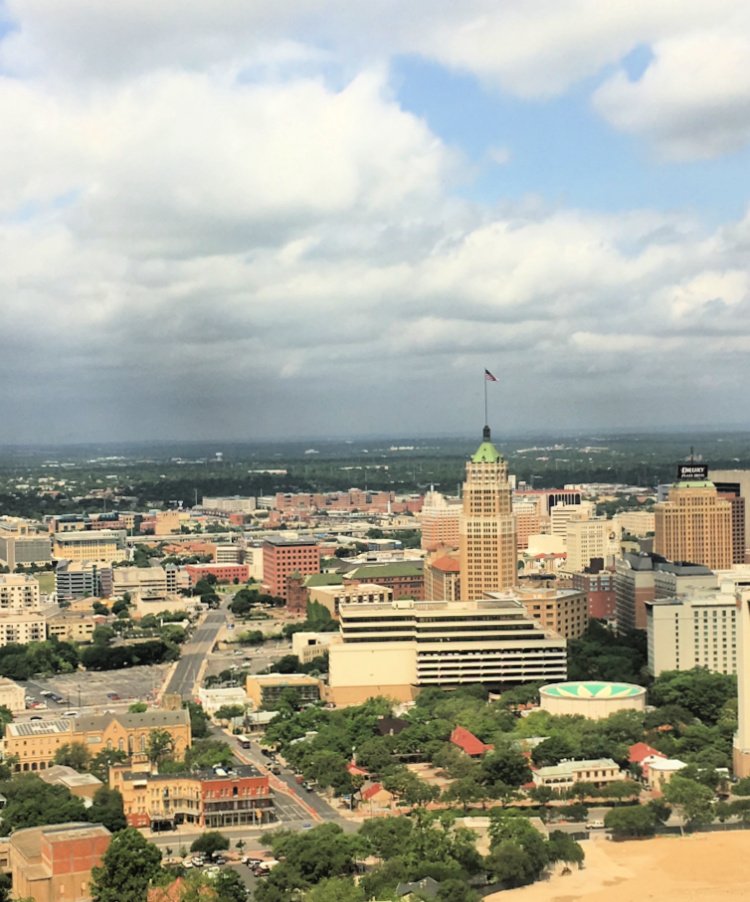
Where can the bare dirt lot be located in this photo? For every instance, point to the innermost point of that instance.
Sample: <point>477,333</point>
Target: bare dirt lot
<point>706,867</point>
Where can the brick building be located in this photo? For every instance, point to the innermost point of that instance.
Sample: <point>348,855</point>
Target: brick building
<point>283,557</point>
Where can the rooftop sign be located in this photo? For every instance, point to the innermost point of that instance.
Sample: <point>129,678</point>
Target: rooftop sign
<point>692,472</point>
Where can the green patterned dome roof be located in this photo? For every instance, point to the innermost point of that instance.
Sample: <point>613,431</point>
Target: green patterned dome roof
<point>593,690</point>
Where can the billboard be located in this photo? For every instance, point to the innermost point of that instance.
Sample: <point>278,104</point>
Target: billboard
<point>692,472</point>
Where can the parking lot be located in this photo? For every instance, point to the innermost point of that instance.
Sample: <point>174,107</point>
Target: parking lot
<point>92,688</point>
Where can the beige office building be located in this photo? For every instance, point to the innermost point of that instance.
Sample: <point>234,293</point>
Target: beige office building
<point>147,583</point>
<point>694,525</point>
<point>741,747</point>
<point>587,540</point>
<point>488,552</point>
<point>332,597</point>
<point>96,545</point>
<point>18,592</point>
<point>564,612</point>
<point>70,625</point>
<point>12,695</point>
<point>563,514</point>
<point>439,521</point>
<point>396,649</point>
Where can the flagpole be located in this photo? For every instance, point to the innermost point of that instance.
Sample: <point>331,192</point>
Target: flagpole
<point>486,418</point>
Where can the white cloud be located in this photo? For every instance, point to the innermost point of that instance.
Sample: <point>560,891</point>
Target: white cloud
<point>693,100</point>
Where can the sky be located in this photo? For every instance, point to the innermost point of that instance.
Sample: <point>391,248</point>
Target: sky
<point>251,219</point>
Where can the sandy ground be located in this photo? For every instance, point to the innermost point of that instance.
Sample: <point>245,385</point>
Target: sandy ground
<point>701,868</point>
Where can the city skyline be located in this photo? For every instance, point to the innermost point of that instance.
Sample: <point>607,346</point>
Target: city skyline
<point>267,221</point>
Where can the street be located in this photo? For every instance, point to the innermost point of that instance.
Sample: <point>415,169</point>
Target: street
<point>194,652</point>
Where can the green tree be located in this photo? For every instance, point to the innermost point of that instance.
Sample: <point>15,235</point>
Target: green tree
<point>160,746</point>
<point>103,760</point>
<point>75,755</point>
<point>107,809</point>
<point>505,765</point>
<point>511,865</point>
<point>702,692</point>
<point>129,866</point>
<point>32,803</point>
<point>562,847</point>
<point>630,822</point>
<point>210,842</point>
<point>387,837</point>
<point>693,798</point>
<point>228,712</point>
<point>198,720</point>
<point>138,708</point>
<point>229,886</point>
<point>335,889</point>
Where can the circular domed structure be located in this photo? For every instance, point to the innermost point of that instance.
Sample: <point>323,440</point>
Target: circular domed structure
<point>592,699</point>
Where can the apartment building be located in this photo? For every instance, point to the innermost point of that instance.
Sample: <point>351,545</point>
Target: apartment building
<point>18,592</point>
<point>488,550</point>
<point>22,627</point>
<point>95,545</point>
<point>396,649</point>
<point>35,742</point>
<point>210,799</point>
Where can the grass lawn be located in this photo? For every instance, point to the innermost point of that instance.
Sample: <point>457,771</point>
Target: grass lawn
<point>46,581</point>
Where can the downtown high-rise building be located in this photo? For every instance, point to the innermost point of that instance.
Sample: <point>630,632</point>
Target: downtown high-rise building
<point>487,530</point>
<point>695,525</point>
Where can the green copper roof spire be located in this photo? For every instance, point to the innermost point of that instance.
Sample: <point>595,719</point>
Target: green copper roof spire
<point>486,452</point>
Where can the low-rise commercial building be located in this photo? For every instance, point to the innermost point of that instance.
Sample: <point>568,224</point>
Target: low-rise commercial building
<point>224,573</point>
<point>264,690</point>
<point>598,771</point>
<point>72,626</point>
<point>332,597</point>
<point>54,863</point>
<point>211,799</point>
<point>12,695</point>
<point>405,579</point>
<point>308,646</point>
<point>84,786</point>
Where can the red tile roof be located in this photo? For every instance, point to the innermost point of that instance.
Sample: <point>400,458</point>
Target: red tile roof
<point>468,742</point>
<point>446,564</point>
<point>371,791</point>
<point>641,750</point>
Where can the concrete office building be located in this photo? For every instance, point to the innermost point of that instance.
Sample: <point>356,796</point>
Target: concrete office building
<point>699,630</point>
<point>146,583</point>
<point>741,745</point>
<point>396,649</point>
<point>24,548</point>
<point>12,695</point>
<point>234,504</point>
<point>529,520</point>
<point>18,592</point>
<point>488,551</point>
<point>672,580</point>
<point>228,553</point>
<point>694,525</point>
<point>95,545</point>
<point>82,579</point>
<point>636,523</point>
<point>562,515</point>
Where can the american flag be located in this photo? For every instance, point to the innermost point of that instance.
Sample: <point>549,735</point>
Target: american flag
<point>489,377</point>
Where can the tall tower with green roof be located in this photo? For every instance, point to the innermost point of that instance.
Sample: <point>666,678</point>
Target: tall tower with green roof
<point>487,534</point>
